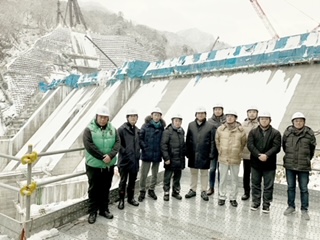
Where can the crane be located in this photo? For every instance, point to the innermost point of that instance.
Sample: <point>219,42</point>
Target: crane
<point>264,18</point>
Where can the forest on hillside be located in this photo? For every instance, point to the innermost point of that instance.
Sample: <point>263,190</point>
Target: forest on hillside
<point>23,22</point>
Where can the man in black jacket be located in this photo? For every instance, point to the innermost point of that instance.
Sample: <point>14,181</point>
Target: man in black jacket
<point>264,142</point>
<point>298,144</point>
<point>129,156</point>
<point>201,149</point>
<point>173,148</point>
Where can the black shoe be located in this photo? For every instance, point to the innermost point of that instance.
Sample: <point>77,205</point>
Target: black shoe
<point>92,218</point>
<point>190,194</point>
<point>210,191</point>
<point>142,196</point>
<point>221,202</point>
<point>166,197</point>
<point>176,195</point>
<point>245,197</point>
<point>133,202</point>
<point>254,207</point>
<point>106,214</point>
<point>152,194</point>
<point>234,203</point>
<point>266,209</point>
<point>121,204</point>
<point>204,196</point>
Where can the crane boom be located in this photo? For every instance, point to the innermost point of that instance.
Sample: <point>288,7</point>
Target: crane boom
<point>264,18</point>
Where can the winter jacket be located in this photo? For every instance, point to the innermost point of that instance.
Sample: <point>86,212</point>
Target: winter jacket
<point>230,143</point>
<point>99,141</point>
<point>129,153</point>
<point>150,140</point>
<point>173,147</point>
<point>200,144</point>
<point>264,142</point>
<point>217,121</point>
<point>299,147</point>
<point>247,126</point>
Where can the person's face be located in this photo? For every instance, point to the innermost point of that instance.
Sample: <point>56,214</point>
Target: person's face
<point>156,117</point>
<point>201,116</point>
<point>230,118</point>
<point>252,114</point>
<point>298,123</point>
<point>177,122</point>
<point>132,119</point>
<point>264,121</point>
<point>218,111</point>
<point>102,120</point>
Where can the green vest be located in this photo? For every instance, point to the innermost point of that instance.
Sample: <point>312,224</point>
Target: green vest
<point>104,140</point>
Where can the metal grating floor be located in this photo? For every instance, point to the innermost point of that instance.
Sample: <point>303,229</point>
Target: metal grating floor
<point>197,219</point>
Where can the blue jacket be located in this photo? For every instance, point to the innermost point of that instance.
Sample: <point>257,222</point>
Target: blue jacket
<point>150,140</point>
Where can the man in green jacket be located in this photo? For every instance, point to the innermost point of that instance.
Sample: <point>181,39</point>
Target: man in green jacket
<point>102,143</point>
<point>299,145</point>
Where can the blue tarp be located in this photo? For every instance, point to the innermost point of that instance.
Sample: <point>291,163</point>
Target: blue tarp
<point>279,55</point>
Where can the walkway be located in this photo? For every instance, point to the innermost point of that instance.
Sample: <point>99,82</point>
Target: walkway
<point>197,219</point>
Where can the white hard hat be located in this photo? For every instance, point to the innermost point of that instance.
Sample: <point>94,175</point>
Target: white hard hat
<point>298,115</point>
<point>218,105</point>
<point>200,109</point>
<point>156,110</point>
<point>252,107</point>
<point>103,111</point>
<point>132,111</point>
<point>231,112</point>
<point>177,115</point>
<point>264,114</point>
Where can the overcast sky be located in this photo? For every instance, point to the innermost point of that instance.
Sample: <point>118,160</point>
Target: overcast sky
<point>235,21</point>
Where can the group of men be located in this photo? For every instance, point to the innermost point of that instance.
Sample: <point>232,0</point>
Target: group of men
<point>219,143</point>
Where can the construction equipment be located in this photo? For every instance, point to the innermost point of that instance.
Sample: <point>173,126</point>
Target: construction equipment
<point>264,18</point>
<point>74,13</point>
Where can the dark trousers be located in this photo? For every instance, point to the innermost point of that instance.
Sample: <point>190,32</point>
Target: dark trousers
<point>303,180</point>
<point>99,186</point>
<point>176,180</point>
<point>246,176</point>
<point>214,167</point>
<point>268,181</point>
<point>130,176</point>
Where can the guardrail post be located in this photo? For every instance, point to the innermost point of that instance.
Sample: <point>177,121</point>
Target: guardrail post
<point>28,197</point>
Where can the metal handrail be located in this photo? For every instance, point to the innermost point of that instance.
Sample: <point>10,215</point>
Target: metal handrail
<point>57,179</point>
<point>9,187</point>
<point>27,188</point>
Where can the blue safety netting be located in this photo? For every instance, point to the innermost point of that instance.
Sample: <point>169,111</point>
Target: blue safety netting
<point>288,50</point>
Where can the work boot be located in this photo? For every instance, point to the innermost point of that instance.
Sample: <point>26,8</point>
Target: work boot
<point>106,214</point>
<point>190,194</point>
<point>152,194</point>
<point>133,202</point>
<point>204,196</point>
<point>245,196</point>
<point>92,217</point>
<point>121,204</point>
<point>305,215</point>
<point>166,196</point>
<point>176,195</point>
<point>210,191</point>
<point>234,203</point>
<point>142,196</point>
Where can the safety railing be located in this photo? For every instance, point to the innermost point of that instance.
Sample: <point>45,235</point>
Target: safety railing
<point>26,191</point>
<point>29,189</point>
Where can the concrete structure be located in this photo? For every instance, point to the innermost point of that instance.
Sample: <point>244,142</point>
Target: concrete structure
<point>264,73</point>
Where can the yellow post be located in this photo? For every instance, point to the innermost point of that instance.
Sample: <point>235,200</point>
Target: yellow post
<point>28,197</point>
